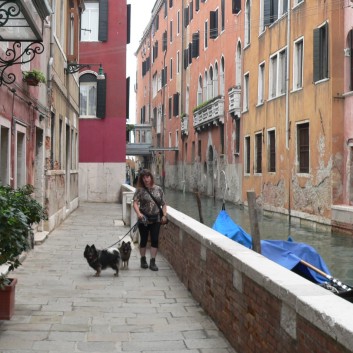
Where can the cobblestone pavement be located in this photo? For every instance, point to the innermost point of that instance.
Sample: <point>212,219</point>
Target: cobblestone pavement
<point>62,307</point>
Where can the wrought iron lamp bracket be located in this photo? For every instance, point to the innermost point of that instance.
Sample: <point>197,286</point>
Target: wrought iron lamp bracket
<point>75,67</point>
<point>17,55</point>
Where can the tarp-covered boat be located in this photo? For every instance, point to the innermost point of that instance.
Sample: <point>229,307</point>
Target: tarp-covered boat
<point>300,258</point>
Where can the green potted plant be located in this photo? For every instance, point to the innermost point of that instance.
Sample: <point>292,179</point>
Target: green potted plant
<point>18,212</point>
<point>34,77</point>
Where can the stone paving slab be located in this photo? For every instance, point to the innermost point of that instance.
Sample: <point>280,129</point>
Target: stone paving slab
<point>62,307</point>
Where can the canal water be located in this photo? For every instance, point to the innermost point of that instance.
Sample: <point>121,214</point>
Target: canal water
<point>336,249</point>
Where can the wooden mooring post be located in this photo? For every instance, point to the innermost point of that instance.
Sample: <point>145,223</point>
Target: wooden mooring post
<point>254,224</point>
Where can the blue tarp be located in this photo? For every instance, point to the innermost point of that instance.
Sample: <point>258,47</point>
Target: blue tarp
<point>286,253</point>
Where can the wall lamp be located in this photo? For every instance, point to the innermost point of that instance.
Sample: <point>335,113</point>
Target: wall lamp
<point>72,68</point>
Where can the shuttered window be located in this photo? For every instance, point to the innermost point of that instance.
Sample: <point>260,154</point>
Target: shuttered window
<point>272,151</point>
<point>303,147</point>
<point>176,104</point>
<point>103,21</point>
<point>258,151</point>
<point>101,97</point>
<point>195,44</point>
<point>320,53</point>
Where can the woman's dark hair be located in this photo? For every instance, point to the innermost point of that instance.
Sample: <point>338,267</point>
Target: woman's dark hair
<point>143,173</point>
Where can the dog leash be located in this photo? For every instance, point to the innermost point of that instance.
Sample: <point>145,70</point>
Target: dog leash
<point>133,229</point>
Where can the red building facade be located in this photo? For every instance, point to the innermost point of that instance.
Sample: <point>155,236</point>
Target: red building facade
<point>102,122</point>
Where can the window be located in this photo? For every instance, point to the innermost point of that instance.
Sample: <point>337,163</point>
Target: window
<point>199,91</point>
<point>273,10</point>
<point>205,41</point>
<point>213,24</point>
<point>5,153</point>
<point>195,44</point>
<point>155,51</point>
<point>176,104</point>
<point>176,138</point>
<point>297,2</point>
<point>171,69</point>
<point>215,80</point>
<point>178,63</point>
<point>246,93</point>
<point>258,153</point>
<point>171,31</point>
<point>154,85</point>
<point>278,72</point>
<point>303,147</point>
<point>236,6</point>
<point>170,3</point>
<point>20,156</point>
<point>197,5</point>
<point>199,150</point>
<point>238,68</point>
<point>320,53</point>
<point>221,78</point>
<point>223,15</point>
<point>89,22</point>
<point>271,151</point>
<point>178,23</point>
<point>92,96</point>
<point>170,140</point>
<point>261,84</point>
<point>350,58</point>
<point>204,88</point>
<point>298,64</point>
<point>237,136</point>
<point>247,155</point>
<point>170,108</point>
<point>164,41</point>
<point>247,23</point>
<point>210,88</point>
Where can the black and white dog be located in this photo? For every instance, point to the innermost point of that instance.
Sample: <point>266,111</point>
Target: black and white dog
<point>101,259</point>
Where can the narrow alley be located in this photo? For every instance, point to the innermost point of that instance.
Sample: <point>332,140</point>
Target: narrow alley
<point>62,307</point>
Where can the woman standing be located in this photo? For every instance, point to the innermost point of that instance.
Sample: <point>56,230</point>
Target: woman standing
<point>151,209</point>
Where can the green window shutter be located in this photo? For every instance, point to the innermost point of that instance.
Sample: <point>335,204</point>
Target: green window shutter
<point>101,97</point>
<point>128,23</point>
<point>103,21</point>
<point>316,55</point>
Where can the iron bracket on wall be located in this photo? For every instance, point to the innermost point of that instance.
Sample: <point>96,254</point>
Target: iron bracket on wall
<point>75,67</point>
<point>18,55</point>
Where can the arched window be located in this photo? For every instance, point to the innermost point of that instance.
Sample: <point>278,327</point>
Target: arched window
<point>210,88</point>
<point>199,91</point>
<point>221,78</point>
<point>215,80</point>
<point>205,83</point>
<point>92,96</point>
<point>247,23</point>
<point>238,59</point>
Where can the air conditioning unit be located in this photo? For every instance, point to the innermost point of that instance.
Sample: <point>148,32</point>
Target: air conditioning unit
<point>347,51</point>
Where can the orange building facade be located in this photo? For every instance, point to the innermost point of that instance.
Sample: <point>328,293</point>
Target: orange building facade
<point>246,95</point>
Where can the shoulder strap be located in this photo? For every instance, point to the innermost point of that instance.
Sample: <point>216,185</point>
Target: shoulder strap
<point>156,202</point>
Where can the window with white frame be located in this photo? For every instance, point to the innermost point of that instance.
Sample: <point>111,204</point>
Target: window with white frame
<point>159,81</point>
<point>178,63</point>
<point>20,156</point>
<point>261,84</point>
<point>271,11</point>
<point>5,152</point>
<point>246,92</point>
<point>90,22</point>
<point>199,91</point>
<point>297,2</point>
<point>303,147</point>
<point>238,61</point>
<point>247,23</point>
<point>88,96</point>
<point>154,84</point>
<point>176,138</point>
<point>349,60</point>
<point>278,72</point>
<point>298,64</point>
<point>320,52</point>
<point>221,78</point>
<point>215,80</point>
<point>171,31</point>
<point>171,69</point>
<point>178,23</point>
<point>210,84</point>
<point>205,84</point>
<point>205,41</point>
<point>170,139</point>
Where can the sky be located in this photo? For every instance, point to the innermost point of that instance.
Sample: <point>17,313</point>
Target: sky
<point>140,16</point>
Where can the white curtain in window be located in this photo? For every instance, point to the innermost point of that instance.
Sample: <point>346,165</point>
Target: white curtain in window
<point>88,98</point>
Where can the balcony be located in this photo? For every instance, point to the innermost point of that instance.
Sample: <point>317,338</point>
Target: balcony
<point>234,95</point>
<point>212,113</point>
<point>184,124</point>
<point>142,137</point>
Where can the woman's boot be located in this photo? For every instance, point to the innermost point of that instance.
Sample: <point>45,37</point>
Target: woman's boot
<point>153,265</point>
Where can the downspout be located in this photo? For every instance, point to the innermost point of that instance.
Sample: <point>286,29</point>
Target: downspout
<point>287,110</point>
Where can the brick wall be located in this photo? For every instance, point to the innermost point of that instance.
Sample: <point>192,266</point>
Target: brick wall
<point>258,305</point>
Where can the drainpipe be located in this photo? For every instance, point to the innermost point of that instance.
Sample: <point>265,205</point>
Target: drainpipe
<point>287,107</point>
